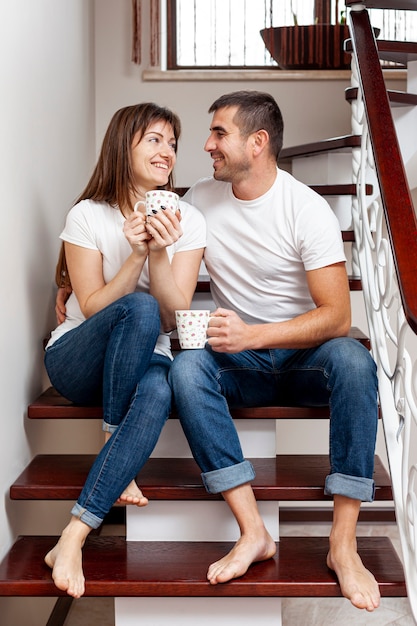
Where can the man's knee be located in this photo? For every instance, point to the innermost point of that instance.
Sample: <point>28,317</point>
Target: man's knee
<point>187,368</point>
<point>354,362</point>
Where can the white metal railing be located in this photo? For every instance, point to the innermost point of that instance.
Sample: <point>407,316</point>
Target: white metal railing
<point>394,345</point>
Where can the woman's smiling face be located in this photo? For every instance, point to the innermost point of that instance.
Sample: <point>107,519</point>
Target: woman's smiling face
<point>154,156</point>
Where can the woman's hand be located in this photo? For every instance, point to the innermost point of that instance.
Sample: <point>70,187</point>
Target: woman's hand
<point>164,229</point>
<point>135,231</point>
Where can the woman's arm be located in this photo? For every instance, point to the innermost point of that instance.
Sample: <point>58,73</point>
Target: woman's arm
<point>85,268</point>
<point>172,284</point>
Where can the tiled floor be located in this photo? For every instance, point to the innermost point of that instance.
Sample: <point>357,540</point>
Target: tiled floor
<point>295,611</point>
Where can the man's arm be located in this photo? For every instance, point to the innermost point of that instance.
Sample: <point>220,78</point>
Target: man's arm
<point>329,288</point>
<point>62,296</point>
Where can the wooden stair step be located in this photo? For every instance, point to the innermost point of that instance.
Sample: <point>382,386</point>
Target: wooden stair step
<point>116,567</point>
<point>348,236</point>
<point>347,189</point>
<point>51,405</point>
<point>399,5</point>
<point>285,477</point>
<point>318,147</point>
<point>325,145</point>
<point>401,52</point>
<point>396,98</point>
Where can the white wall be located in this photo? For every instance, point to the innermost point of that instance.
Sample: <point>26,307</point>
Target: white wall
<point>65,68</point>
<point>46,148</point>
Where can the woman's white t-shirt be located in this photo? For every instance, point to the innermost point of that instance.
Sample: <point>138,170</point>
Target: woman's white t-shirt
<point>99,226</point>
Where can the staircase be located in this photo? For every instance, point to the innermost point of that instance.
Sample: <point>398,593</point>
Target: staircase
<point>168,561</point>
<point>164,555</point>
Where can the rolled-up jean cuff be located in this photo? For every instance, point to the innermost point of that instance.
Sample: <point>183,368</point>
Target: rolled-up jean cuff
<point>85,516</point>
<point>109,428</point>
<point>354,487</point>
<point>226,478</point>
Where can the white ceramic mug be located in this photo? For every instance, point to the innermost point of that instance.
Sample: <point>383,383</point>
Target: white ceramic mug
<point>192,328</point>
<point>157,200</point>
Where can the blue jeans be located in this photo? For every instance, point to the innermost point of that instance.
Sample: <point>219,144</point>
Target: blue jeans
<point>109,358</point>
<point>340,373</point>
<point>129,447</point>
<point>102,360</point>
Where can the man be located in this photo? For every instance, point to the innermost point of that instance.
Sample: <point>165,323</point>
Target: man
<point>279,335</point>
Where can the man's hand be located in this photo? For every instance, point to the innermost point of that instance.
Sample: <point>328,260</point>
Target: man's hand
<point>227,332</point>
<point>62,296</point>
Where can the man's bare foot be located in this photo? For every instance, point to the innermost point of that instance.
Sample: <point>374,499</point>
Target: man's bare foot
<point>246,551</point>
<point>133,495</point>
<point>65,559</point>
<point>356,582</point>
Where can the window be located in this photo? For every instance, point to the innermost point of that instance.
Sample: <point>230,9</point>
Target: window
<point>224,34</point>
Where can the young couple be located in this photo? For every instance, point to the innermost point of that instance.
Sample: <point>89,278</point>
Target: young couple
<point>275,256</point>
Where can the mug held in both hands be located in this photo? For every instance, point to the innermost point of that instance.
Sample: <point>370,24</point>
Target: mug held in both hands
<point>157,200</point>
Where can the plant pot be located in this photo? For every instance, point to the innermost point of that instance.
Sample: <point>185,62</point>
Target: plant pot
<point>312,47</point>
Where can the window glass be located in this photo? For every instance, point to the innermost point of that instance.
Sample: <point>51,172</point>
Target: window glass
<point>226,33</point>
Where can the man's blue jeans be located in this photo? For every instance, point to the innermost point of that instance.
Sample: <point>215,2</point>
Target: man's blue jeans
<point>109,358</point>
<point>340,373</point>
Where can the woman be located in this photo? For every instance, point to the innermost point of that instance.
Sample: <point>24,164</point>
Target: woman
<point>129,273</point>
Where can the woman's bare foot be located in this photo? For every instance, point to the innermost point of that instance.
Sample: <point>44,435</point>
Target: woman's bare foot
<point>246,551</point>
<point>356,582</point>
<point>133,495</point>
<point>65,559</point>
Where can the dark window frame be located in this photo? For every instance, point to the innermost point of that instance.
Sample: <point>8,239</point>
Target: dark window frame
<point>172,64</point>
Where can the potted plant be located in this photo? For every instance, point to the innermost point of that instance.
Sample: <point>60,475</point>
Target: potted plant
<point>317,46</point>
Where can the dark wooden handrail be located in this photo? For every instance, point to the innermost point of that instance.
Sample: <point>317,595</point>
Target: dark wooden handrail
<point>395,193</point>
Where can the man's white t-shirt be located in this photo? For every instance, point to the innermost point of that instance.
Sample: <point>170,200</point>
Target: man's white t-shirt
<point>258,251</point>
<point>99,226</point>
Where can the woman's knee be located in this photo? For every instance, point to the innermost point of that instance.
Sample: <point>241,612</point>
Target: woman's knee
<point>141,308</point>
<point>139,302</point>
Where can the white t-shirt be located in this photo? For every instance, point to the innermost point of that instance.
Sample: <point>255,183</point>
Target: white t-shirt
<point>99,226</point>
<point>258,251</point>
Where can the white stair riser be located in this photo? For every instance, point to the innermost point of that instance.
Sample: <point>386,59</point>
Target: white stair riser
<point>172,520</point>
<point>201,611</point>
<point>257,438</point>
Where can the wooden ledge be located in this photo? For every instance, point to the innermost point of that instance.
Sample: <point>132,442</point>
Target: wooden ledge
<point>281,478</point>
<point>115,567</point>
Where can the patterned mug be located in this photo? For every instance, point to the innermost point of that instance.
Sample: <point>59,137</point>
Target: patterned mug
<point>157,200</point>
<point>191,327</point>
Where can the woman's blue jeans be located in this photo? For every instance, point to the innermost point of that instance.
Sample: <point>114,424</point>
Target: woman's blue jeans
<point>109,359</point>
<point>340,373</point>
<point>102,360</point>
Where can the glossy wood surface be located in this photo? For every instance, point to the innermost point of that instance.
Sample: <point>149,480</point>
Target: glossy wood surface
<point>116,567</point>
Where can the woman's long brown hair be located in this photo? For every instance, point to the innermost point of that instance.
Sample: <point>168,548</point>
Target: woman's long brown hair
<point>112,180</point>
